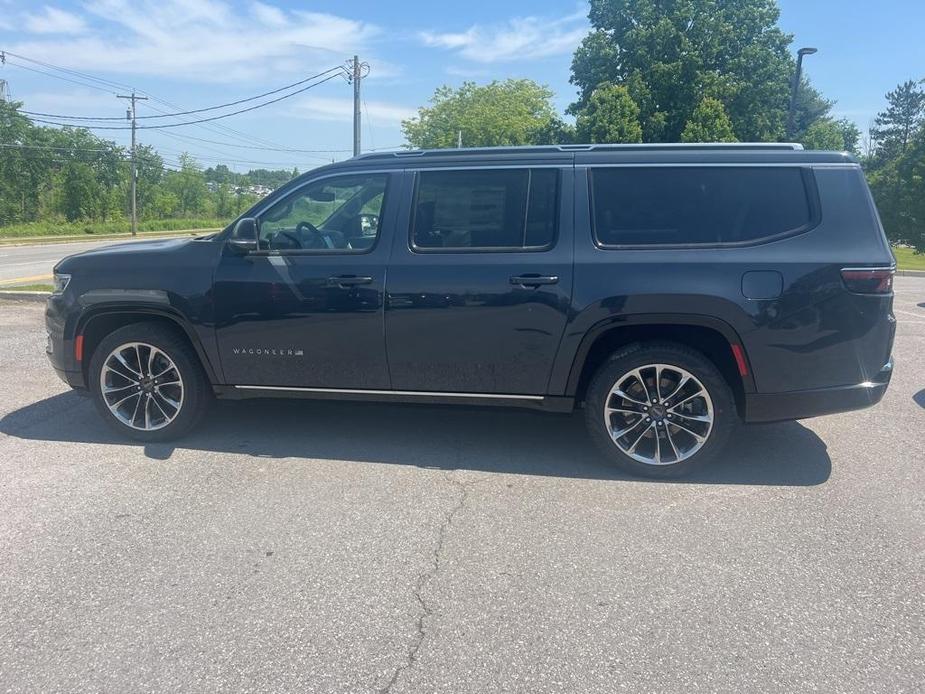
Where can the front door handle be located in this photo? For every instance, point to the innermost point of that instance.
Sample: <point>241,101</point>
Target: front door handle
<point>350,280</point>
<point>534,280</point>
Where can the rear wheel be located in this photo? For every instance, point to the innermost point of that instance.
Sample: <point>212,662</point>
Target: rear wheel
<point>147,382</point>
<point>659,409</point>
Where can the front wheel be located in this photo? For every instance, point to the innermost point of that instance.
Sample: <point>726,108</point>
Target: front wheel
<point>659,409</point>
<point>147,382</point>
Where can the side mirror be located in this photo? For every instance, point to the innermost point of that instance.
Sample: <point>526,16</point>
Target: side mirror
<point>243,238</point>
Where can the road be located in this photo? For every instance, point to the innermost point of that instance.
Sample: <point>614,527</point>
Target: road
<point>332,547</point>
<point>34,264</point>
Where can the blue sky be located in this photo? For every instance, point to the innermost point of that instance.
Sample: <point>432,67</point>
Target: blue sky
<point>196,53</point>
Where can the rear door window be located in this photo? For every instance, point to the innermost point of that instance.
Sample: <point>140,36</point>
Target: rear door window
<point>485,210</point>
<point>679,206</point>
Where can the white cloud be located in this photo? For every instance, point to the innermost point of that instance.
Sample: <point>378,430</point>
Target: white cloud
<point>203,40</point>
<point>521,38</point>
<point>268,15</point>
<point>54,21</point>
<point>341,110</point>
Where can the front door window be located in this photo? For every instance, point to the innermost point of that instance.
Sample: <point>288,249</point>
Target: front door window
<point>334,215</point>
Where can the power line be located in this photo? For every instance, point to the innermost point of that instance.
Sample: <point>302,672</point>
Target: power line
<point>263,149</point>
<point>194,122</point>
<point>198,110</point>
<point>218,128</point>
<point>266,149</point>
<point>84,75</point>
<point>60,77</point>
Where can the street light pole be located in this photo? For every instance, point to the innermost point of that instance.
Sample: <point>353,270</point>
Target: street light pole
<point>791,116</point>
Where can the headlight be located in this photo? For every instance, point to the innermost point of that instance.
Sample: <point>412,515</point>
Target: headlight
<point>60,283</point>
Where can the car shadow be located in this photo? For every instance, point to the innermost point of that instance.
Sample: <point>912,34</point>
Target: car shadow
<point>443,437</point>
<point>919,398</point>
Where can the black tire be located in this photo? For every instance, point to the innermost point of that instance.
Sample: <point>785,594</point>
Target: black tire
<point>197,393</point>
<point>634,356</point>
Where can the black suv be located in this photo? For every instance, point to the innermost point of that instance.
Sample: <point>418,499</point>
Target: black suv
<point>670,291</point>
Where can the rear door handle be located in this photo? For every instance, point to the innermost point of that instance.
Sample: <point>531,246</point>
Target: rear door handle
<point>350,280</point>
<point>534,280</point>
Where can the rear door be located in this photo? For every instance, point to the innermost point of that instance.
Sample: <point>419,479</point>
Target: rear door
<point>480,279</point>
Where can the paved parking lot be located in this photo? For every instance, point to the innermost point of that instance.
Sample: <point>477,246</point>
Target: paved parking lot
<point>331,547</point>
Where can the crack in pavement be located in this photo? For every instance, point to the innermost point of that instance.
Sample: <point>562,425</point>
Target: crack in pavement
<point>425,609</point>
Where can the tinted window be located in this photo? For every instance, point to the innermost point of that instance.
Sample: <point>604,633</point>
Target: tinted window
<point>696,205</point>
<point>339,214</point>
<point>485,209</point>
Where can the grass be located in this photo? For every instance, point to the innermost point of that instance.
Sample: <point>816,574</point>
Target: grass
<point>119,226</point>
<point>28,288</point>
<point>908,259</point>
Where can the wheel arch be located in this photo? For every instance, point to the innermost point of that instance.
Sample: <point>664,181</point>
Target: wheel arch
<point>98,323</point>
<point>713,337</point>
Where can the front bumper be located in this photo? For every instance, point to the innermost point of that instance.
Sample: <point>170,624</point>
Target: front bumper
<point>802,404</point>
<point>59,348</point>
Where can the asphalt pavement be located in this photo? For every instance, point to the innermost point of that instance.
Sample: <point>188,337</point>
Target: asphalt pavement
<point>34,263</point>
<point>336,547</point>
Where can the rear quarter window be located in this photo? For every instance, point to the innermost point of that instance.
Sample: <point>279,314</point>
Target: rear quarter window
<point>699,206</point>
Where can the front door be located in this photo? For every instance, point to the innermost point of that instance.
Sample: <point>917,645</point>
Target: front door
<point>479,290</point>
<point>306,309</point>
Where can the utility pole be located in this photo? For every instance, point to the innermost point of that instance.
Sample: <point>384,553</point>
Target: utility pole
<point>459,140</point>
<point>4,88</point>
<point>356,106</point>
<point>130,115</point>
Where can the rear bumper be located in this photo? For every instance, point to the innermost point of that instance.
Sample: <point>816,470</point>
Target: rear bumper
<point>802,404</point>
<point>75,379</point>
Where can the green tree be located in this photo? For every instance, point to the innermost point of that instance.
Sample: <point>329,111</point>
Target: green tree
<point>895,127</point>
<point>851,135</point>
<point>224,200</point>
<point>150,168</point>
<point>513,112</point>
<point>899,189</point>
<point>187,185</point>
<point>896,169</point>
<point>671,54</point>
<point>709,123</point>
<point>610,115</point>
<point>827,134</point>
<point>164,204</point>
<point>218,174</point>
<point>24,165</point>
<point>810,106</point>
<point>824,134</point>
<point>80,191</point>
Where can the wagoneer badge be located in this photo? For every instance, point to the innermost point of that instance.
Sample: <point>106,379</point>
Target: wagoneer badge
<point>268,351</point>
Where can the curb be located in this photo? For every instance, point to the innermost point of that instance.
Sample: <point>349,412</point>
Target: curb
<point>24,296</point>
<point>910,273</point>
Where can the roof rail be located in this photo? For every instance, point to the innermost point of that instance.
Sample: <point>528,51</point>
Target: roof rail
<point>546,149</point>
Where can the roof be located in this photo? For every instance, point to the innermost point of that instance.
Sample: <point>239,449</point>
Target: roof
<point>732,154</point>
<point>550,149</point>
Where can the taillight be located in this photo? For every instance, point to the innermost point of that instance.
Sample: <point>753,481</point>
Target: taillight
<point>875,280</point>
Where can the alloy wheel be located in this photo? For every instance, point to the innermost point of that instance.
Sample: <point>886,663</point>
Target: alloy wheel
<point>141,386</point>
<point>659,414</point>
